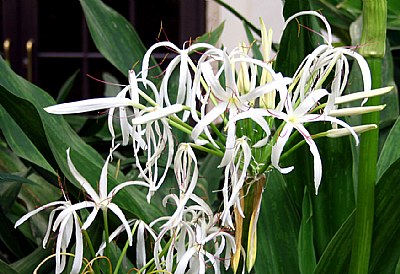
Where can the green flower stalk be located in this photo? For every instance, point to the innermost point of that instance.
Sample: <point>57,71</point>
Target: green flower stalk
<point>373,41</point>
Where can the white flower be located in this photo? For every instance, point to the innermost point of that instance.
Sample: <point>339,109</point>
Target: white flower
<point>177,225</point>
<point>197,255</point>
<point>295,117</point>
<point>185,79</point>
<point>229,98</point>
<point>101,200</point>
<point>235,176</point>
<point>318,65</point>
<point>66,221</point>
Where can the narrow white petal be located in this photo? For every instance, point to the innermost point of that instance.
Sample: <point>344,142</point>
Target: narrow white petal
<point>90,218</point>
<point>82,181</point>
<point>89,105</point>
<point>37,210</point>
<point>362,95</point>
<point>355,110</point>
<point>208,119</point>
<point>311,100</point>
<point>76,266</point>
<point>115,190</point>
<point>140,247</point>
<point>117,211</point>
<point>278,148</point>
<point>157,114</point>
<point>315,153</point>
<point>181,268</point>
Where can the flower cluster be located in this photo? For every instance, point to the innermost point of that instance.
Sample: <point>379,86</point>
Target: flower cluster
<point>259,113</point>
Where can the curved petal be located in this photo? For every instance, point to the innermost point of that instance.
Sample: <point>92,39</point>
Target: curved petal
<point>208,119</point>
<point>315,153</point>
<point>76,265</point>
<point>117,211</point>
<point>37,210</point>
<point>81,180</point>
<point>278,148</point>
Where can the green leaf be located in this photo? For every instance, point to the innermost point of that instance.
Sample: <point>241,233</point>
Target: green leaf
<point>6,269</point>
<point>277,229</point>
<point>29,263</point>
<point>66,87</point>
<point>393,19</point>
<point>385,249</point>
<point>10,185</point>
<point>114,37</point>
<point>19,142</point>
<point>335,200</point>
<point>211,37</point>
<point>5,178</point>
<point>307,260</point>
<point>389,155</point>
<point>336,256</point>
<point>209,179</point>
<point>13,241</point>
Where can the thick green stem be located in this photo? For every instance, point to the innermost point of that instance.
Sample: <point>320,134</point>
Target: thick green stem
<point>373,48</point>
<point>362,237</point>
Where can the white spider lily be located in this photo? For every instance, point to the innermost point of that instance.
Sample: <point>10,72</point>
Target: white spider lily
<point>178,225</point>
<point>197,256</point>
<point>229,99</point>
<point>185,79</point>
<point>318,64</point>
<point>101,200</point>
<point>235,176</point>
<point>66,221</point>
<point>295,118</point>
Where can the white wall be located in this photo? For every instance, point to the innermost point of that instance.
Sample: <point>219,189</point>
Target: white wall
<point>269,10</point>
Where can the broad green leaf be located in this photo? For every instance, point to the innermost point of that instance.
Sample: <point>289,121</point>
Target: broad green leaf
<point>13,241</point>
<point>385,249</point>
<point>389,154</point>
<point>10,185</point>
<point>335,200</point>
<point>393,19</point>
<point>29,263</point>
<point>19,142</point>
<point>56,136</point>
<point>6,178</point>
<point>6,269</point>
<point>307,260</point>
<point>114,36</point>
<point>209,180</point>
<point>277,229</point>
<point>66,87</point>
<point>211,37</point>
<point>9,161</point>
<point>336,256</point>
